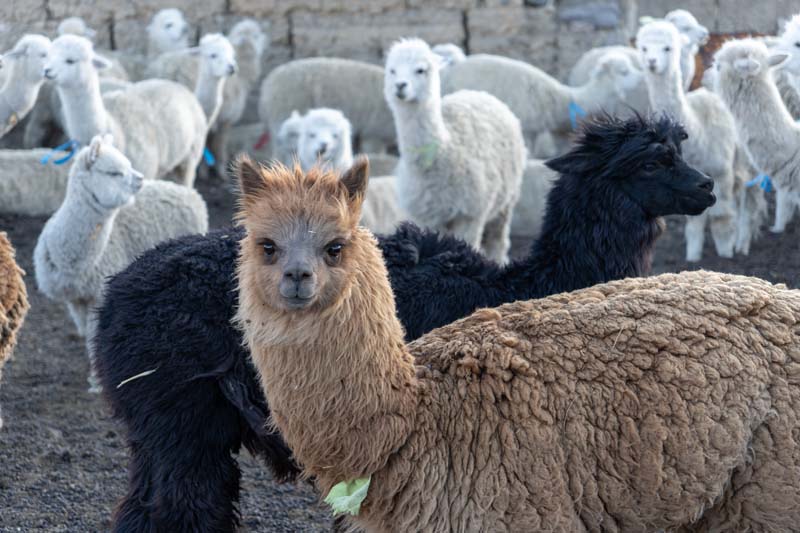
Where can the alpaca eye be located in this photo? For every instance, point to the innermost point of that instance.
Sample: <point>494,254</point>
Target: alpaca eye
<point>667,48</point>
<point>213,56</point>
<point>391,71</point>
<point>334,252</point>
<point>650,167</point>
<point>684,136</point>
<point>168,25</point>
<point>644,49</point>
<point>420,71</point>
<point>269,249</point>
<point>312,135</point>
<point>335,135</point>
<point>797,44</point>
<point>70,61</point>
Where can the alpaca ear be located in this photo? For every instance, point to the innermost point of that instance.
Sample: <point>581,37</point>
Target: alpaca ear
<point>747,66</point>
<point>777,59</point>
<point>295,114</point>
<point>108,139</point>
<point>13,54</point>
<point>94,151</point>
<point>251,179</point>
<point>684,39</point>
<point>356,179</point>
<point>100,62</point>
<point>571,163</point>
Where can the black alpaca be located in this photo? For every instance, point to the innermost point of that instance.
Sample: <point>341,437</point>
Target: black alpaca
<point>170,312</point>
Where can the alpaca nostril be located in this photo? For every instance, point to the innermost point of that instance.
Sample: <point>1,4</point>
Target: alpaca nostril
<point>401,85</point>
<point>707,185</point>
<point>298,274</point>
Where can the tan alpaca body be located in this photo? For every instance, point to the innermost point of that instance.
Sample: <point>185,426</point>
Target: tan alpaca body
<point>640,405</point>
<point>13,302</point>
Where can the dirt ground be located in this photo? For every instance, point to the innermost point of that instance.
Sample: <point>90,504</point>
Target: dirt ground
<point>63,460</point>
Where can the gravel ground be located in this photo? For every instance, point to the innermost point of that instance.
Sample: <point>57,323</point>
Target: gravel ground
<point>63,460</point>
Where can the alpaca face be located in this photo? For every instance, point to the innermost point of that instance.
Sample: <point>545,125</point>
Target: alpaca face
<point>324,136</point>
<point>737,61</point>
<point>659,45</point>
<point>105,175</point>
<point>789,43</point>
<point>72,62</point>
<point>412,73</point>
<point>289,136</point>
<point>169,30</point>
<point>299,227</point>
<point>621,75</point>
<point>76,26</point>
<point>248,31</point>
<point>217,55</point>
<point>697,34</point>
<point>32,52</point>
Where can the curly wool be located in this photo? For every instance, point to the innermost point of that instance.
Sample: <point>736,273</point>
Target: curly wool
<point>13,302</point>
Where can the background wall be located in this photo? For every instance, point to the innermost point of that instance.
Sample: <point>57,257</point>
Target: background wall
<point>551,34</point>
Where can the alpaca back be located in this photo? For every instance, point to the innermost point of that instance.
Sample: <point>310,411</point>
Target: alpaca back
<point>162,122</point>
<point>483,160</point>
<point>712,143</point>
<point>610,405</point>
<point>13,300</point>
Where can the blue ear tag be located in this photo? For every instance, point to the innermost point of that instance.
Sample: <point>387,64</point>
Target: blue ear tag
<point>762,180</point>
<point>575,111</point>
<point>70,147</point>
<point>209,157</point>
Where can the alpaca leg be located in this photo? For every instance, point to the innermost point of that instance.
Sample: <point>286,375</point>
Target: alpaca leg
<point>784,209</point>
<point>695,237</point>
<point>91,330</point>
<point>496,240</point>
<point>218,144</point>
<point>79,311</point>
<point>470,230</point>
<point>182,474</point>
<point>723,226</point>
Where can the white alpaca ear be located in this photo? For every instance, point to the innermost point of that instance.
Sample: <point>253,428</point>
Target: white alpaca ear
<point>295,115</point>
<point>685,40</point>
<point>94,151</point>
<point>136,174</point>
<point>108,139</point>
<point>747,66</point>
<point>14,54</point>
<point>777,59</point>
<point>100,62</point>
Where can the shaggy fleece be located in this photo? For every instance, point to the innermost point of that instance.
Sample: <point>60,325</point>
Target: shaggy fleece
<point>13,302</point>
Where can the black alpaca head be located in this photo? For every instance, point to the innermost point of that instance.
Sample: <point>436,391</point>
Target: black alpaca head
<point>642,159</point>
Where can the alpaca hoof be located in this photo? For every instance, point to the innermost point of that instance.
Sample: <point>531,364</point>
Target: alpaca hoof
<point>94,385</point>
<point>693,257</point>
<point>776,229</point>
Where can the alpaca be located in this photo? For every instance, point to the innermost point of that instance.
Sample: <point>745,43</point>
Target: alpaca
<point>13,303</point>
<point>743,79</point>
<point>601,224</point>
<point>548,397</point>
<point>158,124</point>
<point>325,138</point>
<point>167,31</point>
<point>109,217</point>
<point>25,63</point>
<point>217,63</point>
<point>467,147</point>
<point>712,134</point>
<point>287,139</point>
<point>450,53</point>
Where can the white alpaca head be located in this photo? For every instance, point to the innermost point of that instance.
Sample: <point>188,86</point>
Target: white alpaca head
<point>216,54</point>
<point>325,137</point>
<point>617,71</point>
<point>168,31</point>
<point>28,57</point>
<point>789,42</point>
<point>411,75</point>
<point>73,62</point>
<point>659,44</point>
<point>742,60</point>
<point>103,176</point>
<point>76,26</point>
<point>248,31</point>
<point>450,53</point>
<point>687,24</point>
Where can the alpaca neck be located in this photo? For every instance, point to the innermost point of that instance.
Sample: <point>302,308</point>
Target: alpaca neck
<point>84,111</point>
<point>420,129</point>
<point>570,241</point>
<point>83,229</point>
<point>249,61</point>
<point>209,90</point>
<point>667,94</point>
<point>340,383</point>
<point>688,54</point>
<point>18,96</point>
<point>763,122</point>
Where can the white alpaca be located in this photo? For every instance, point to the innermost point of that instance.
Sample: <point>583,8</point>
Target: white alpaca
<point>27,187</point>
<point>25,64</point>
<point>287,139</point>
<point>461,156</point>
<point>168,31</point>
<point>353,87</point>
<point>109,217</point>
<point>696,36</point>
<point>450,53</point>
<point>743,78</point>
<point>248,42</point>
<point>542,103</point>
<point>216,64</point>
<point>158,124</point>
<point>711,146</point>
<point>325,139</point>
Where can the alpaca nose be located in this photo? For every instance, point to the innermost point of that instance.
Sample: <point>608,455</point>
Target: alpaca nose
<point>48,73</point>
<point>298,273</point>
<point>231,70</point>
<point>323,147</point>
<point>400,87</point>
<point>651,63</point>
<point>707,184</point>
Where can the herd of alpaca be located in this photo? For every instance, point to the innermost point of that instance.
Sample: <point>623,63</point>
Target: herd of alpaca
<point>561,391</point>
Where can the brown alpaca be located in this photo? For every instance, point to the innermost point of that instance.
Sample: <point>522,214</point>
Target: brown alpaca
<point>641,405</point>
<point>13,302</point>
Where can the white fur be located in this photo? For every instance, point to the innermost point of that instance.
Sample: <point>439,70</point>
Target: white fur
<point>325,139</point>
<point>450,53</point>
<point>217,62</point>
<point>287,138</point>
<point>76,26</point>
<point>541,102</point>
<point>24,63</point>
<point>110,216</point>
<point>353,87</point>
<point>744,80</point>
<point>27,187</point>
<point>696,35</point>
<point>168,31</point>
<point>158,124</point>
<point>711,146</point>
<point>461,156</point>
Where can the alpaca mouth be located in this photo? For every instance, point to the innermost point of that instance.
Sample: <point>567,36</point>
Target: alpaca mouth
<point>700,204</point>
<point>297,302</point>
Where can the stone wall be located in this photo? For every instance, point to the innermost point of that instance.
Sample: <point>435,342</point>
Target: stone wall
<point>549,33</point>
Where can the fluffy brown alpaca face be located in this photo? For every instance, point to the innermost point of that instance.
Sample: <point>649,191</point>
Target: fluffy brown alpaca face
<point>299,228</point>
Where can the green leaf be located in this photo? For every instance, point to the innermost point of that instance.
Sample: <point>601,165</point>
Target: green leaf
<point>346,497</point>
